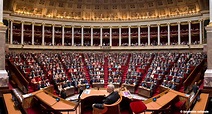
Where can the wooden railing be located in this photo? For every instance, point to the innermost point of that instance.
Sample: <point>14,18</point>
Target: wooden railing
<point>20,80</point>
<point>187,82</point>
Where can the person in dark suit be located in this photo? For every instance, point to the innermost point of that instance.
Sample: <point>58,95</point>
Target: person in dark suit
<point>195,87</point>
<point>110,99</point>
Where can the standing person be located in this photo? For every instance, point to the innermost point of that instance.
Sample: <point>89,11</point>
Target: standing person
<point>195,88</point>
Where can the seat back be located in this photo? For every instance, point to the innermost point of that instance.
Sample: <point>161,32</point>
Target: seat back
<point>113,108</point>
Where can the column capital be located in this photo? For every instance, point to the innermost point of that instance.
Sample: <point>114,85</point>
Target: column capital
<point>158,24</point>
<point>11,20</point>
<point>189,21</point>
<point>53,25</point>
<point>91,26</point>
<point>33,23</point>
<point>168,23</point>
<point>43,23</point>
<point>148,25</point>
<point>129,26</point>
<point>82,26</point>
<point>200,20</point>
<point>63,25</point>
<point>178,22</point>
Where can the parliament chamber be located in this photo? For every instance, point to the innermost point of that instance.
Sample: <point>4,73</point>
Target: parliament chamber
<point>59,56</point>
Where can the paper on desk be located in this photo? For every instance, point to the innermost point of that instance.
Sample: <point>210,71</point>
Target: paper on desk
<point>87,91</point>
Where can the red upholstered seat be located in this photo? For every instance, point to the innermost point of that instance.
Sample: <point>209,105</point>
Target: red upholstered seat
<point>138,107</point>
<point>180,104</point>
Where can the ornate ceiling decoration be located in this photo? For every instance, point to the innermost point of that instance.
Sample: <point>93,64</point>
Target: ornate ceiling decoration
<point>106,10</point>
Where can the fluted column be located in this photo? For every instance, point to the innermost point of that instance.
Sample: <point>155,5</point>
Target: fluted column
<point>119,36</point>
<point>1,11</point>
<point>110,36</point>
<point>179,39</point>
<point>200,31</point>
<point>53,38</point>
<point>3,73</point>
<point>82,35</point>
<point>210,10</point>
<point>158,34</point>
<point>148,35</point>
<point>72,36</point>
<point>129,36</point>
<point>22,33</point>
<point>189,32</point>
<point>33,33</point>
<point>43,33</point>
<point>63,33</point>
<point>91,36</point>
<point>11,32</point>
<point>100,36</point>
<point>139,35</point>
<point>168,24</point>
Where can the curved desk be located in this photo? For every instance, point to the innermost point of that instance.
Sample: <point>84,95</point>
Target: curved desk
<point>90,96</point>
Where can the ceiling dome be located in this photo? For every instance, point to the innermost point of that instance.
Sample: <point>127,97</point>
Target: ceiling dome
<point>106,10</point>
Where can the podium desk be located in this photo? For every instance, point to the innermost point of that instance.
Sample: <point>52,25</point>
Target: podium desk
<point>50,102</point>
<point>90,96</point>
<point>10,104</point>
<point>47,99</point>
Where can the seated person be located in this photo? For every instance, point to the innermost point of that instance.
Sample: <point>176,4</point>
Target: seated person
<point>110,99</point>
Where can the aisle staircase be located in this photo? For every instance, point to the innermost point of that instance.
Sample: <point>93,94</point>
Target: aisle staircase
<point>106,73</point>
<point>85,69</point>
<point>124,68</point>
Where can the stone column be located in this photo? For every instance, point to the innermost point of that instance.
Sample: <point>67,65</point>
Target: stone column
<point>200,31</point>
<point>22,33</point>
<point>63,33</point>
<point>110,36</point>
<point>82,35</point>
<point>11,32</point>
<point>168,24</point>
<point>208,72</point>
<point>148,35</point>
<point>91,36</point>
<point>4,79</point>
<point>178,25</point>
<point>53,38</point>
<point>158,34</point>
<point>100,36</point>
<point>139,35</point>
<point>43,33</point>
<point>1,12</point>
<point>189,32</point>
<point>72,36</point>
<point>129,36</point>
<point>119,36</point>
<point>33,33</point>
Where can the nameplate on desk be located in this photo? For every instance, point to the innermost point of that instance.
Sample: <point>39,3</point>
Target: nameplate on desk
<point>87,91</point>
